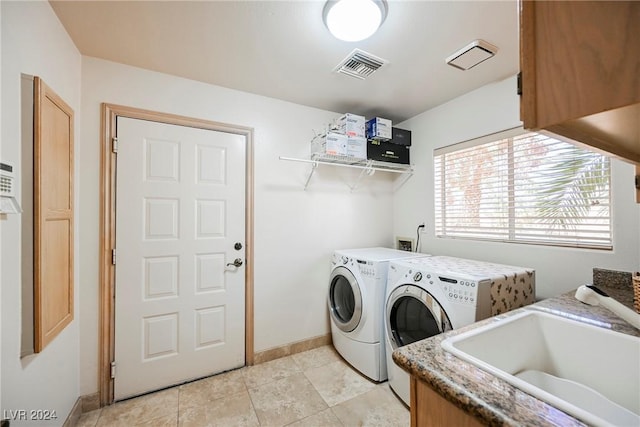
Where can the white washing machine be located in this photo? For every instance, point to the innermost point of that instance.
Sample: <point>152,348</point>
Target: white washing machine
<point>356,304</point>
<point>428,296</point>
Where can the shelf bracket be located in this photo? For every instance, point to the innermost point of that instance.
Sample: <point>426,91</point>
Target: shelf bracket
<point>368,170</point>
<point>405,178</point>
<point>314,165</point>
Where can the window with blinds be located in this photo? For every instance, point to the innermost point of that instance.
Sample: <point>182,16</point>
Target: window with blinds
<point>524,188</point>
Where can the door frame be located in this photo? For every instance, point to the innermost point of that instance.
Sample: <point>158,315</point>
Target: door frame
<point>106,321</point>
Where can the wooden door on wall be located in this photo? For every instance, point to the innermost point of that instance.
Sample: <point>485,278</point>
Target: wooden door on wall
<point>53,214</point>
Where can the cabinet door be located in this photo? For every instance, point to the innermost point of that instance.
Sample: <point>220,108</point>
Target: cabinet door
<point>429,409</point>
<point>581,58</point>
<point>53,215</point>
<point>580,66</point>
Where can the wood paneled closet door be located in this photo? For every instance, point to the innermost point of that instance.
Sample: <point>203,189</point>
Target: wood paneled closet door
<point>53,214</point>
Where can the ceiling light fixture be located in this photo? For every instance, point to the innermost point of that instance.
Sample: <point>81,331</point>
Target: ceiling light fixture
<point>354,20</point>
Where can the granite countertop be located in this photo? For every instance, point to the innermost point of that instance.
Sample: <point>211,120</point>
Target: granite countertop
<point>489,399</point>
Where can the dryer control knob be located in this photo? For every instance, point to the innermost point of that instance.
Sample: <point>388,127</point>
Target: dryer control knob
<point>417,277</point>
<point>345,260</point>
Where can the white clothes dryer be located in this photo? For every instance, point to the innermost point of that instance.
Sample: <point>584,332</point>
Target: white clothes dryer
<point>356,304</point>
<point>428,296</point>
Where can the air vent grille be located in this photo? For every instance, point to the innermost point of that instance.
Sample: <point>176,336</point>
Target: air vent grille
<point>360,64</point>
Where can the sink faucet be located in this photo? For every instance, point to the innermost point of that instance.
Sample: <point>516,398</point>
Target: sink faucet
<point>592,295</point>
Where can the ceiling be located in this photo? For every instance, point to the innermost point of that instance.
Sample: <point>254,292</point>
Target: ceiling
<point>282,49</point>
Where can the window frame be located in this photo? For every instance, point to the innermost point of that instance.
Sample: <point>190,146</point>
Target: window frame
<point>440,194</point>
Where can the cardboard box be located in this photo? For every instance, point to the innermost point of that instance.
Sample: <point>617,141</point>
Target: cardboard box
<point>400,136</point>
<point>379,128</point>
<point>336,144</point>
<point>331,143</point>
<point>384,151</point>
<point>357,147</point>
<point>351,125</point>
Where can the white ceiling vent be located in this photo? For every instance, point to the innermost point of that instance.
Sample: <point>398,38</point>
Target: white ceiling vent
<point>472,54</point>
<point>360,64</point>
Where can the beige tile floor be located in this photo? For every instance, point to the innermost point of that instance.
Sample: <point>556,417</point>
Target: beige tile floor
<point>314,388</point>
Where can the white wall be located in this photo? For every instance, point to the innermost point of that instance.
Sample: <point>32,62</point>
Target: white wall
<point>295,230</point>
<point>490,109</point>
<point>34,42</point>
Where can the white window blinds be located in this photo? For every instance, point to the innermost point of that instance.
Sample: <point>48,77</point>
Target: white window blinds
<point>527,188</point>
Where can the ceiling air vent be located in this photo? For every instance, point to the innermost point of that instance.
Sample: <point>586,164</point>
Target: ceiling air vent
<point>360,64</point>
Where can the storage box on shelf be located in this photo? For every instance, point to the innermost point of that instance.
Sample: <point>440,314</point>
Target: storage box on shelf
<point>387,152</point>
<point>395,150</point>
<point>357,147</point>
<point>340,145</point>
<point>330,143</point>
<point>400,136</point>
<point>351,125</point>
<point>335,144</point>
<point>379,129</point>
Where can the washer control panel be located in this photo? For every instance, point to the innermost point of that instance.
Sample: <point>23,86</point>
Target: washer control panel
<point>367,268</point>
<point>461,291</point>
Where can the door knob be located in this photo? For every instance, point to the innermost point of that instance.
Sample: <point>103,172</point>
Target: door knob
<point>236,263</point>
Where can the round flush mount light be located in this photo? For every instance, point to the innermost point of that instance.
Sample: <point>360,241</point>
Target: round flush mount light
<point>354,20</point>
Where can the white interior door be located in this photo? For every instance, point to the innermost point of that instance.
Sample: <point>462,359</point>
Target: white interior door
<point>180,210</point>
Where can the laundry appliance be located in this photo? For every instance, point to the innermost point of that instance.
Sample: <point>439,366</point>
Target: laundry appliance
<point>428,296</point>
<point>357,287</point>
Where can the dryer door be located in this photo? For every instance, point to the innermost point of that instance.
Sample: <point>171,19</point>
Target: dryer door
<point>345,299</point>
<point>414,314</point>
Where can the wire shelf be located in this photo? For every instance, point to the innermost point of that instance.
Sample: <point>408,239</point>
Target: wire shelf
<point>368,167</point>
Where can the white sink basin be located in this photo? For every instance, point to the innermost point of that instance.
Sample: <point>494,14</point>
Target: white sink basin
<point>589,372</point>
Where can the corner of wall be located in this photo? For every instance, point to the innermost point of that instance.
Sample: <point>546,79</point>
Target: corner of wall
<point>34,43</point>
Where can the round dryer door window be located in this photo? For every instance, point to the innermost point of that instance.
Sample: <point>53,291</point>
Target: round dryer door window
<point>412,315</point>
<point>345,299</point>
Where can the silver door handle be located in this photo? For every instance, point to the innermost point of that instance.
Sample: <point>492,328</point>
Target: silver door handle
<point>236,263</point>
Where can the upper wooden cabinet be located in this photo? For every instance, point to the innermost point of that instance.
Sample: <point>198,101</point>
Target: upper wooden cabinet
<point>580,63</point>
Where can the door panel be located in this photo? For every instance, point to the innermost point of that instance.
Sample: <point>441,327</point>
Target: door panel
<point>179,211</point>
<point>53,215</point>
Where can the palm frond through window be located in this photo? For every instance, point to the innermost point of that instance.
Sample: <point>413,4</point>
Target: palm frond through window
<point>524,188</point>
